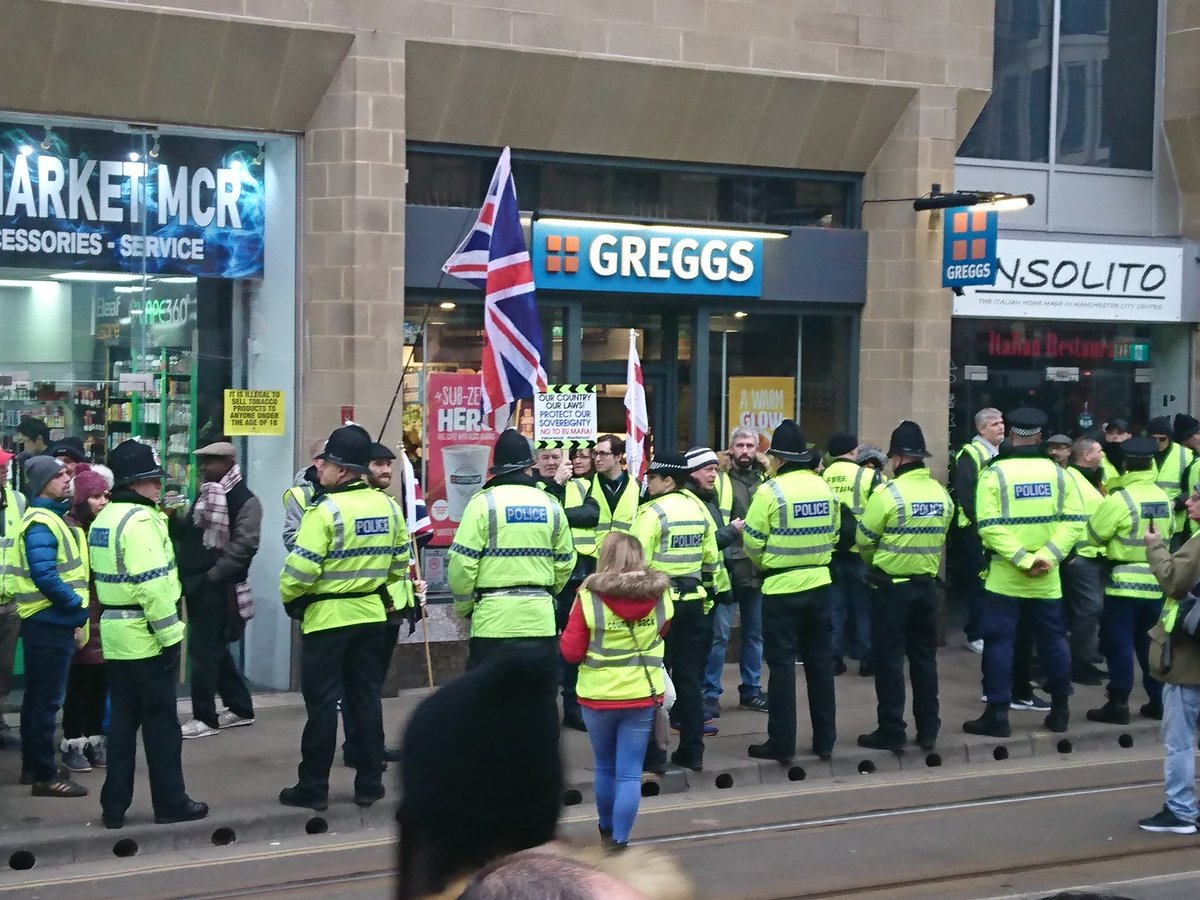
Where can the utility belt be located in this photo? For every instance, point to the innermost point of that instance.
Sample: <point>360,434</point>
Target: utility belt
<point>880,578</point>
<point>297,607</point>
<point>686,584</point>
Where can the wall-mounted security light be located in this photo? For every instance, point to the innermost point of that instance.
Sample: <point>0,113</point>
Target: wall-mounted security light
<point>982,201</point>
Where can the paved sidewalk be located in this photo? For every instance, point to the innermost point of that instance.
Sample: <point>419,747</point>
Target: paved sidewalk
<point>240,771</point>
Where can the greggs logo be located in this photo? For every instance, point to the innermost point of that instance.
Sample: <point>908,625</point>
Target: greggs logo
<point>647,259</point>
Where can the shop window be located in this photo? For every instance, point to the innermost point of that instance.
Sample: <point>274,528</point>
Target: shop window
<point>440,176</point>
<point>1015,121</point>
<point>1106,79</point>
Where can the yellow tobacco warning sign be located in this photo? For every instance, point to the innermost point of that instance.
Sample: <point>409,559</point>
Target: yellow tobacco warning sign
<point>254,412</point>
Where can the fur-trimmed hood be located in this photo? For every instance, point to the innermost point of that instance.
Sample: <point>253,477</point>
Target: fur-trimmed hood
<point>645,585</point>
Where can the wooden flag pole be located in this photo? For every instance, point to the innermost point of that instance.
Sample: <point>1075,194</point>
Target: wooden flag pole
<point>416,554</point>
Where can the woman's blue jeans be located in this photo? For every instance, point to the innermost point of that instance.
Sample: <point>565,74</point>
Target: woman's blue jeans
<point>619,738</point>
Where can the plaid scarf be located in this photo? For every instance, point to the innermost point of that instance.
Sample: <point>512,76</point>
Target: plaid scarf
<point>211,513</point>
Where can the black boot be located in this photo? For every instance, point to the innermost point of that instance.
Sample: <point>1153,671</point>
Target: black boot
<point>1152,710</point>
<point>1115,711</point>
<point>881,740</point>
<point>993,722</point>
<point>1059,718</point>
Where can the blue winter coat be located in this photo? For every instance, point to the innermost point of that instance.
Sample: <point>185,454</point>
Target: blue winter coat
<point>41,550</point>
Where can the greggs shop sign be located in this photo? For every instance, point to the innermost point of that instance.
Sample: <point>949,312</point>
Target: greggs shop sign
<point>572,255</point>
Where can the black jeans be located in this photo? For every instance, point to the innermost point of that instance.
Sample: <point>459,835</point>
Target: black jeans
<point>686,654</point>
<point>83,712</point>
<point>904,623</point>
<point>967,561</point>
<point>342,663</point>
<point>213,670</point>
<point>142,695</point>
<point>1083,596</point>
<point>799,623</point>
<point>48,652</point>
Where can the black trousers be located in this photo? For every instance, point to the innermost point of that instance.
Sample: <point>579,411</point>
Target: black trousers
<point>792,624</point>
<point>213,670</point>
<point>342,663</point>
<point>83,710</point>
<point>569,672</point>
<point>687,645</point>
<point>142,695</point>
<point>904,623</point>
<point>483,649</point>
<point>1022,680</point>
<point>386,650</point>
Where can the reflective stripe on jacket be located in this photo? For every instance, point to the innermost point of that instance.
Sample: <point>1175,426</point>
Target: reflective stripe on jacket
<point>133,566</point>
<point>903,528</point>
<point>1119,527</point>
<point>980,456</point>
<point>790,532</point>
<point>624,659</point>
<point>511,554</point>
<point>71,563</point>
<point>352,543</point>
<point>852,485</point>
<point>1090,498</point>
<point>679,539</point>
<point>1027,509</point>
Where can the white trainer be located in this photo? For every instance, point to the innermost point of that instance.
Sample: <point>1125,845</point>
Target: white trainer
<point>230,719</point>
<point>197,729</point>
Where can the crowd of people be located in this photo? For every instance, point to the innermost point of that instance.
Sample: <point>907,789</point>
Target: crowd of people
<point>627,592</point>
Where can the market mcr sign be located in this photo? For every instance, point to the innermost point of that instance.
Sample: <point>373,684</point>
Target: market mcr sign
<point>632,259</point>
<point>75,198</point>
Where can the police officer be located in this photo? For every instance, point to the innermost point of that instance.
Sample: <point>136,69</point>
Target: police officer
<point>1172,460</point>
<point>680,541</point>
<point>1029,518</point>
<point>351,546</point>
<point>851,607</point>
<point>1083,572</point>
<point>1133,599</point>
<point>790,532</point>
<point>133,564</point>
<point>511,555</point>
<point>12,507</point>
<point>901,536</point>
<point>970,460</point>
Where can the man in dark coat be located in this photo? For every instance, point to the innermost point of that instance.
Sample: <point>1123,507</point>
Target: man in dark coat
<point>215,543</point>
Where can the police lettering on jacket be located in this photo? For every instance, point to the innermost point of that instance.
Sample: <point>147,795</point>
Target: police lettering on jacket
<point>525,515</point>
<point>1155,510</point>
<point>928,510</point>
<point>372,525</point>
<point>808,509</point>
<point>1032,491</point>
<point>684,541</point>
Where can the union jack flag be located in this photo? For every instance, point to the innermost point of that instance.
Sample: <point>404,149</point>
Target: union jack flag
<point>494,257</point>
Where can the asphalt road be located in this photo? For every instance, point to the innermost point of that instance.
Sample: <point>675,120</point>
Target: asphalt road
<point>1028,829</point>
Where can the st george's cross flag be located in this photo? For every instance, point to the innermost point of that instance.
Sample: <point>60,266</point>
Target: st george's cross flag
<point>637,421</point>
<point>493,257</point>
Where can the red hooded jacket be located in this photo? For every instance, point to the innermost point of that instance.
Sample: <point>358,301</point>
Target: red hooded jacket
<point>630,595</point>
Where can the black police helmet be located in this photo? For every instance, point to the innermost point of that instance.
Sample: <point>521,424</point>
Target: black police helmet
<point>908,440</point>
<point>788,443</point>
<point>134,461</point>
<point>348,447</point>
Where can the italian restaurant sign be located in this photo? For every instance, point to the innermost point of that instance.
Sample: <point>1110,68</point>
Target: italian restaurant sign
<point>1088,282</point>
<point>93,200</point>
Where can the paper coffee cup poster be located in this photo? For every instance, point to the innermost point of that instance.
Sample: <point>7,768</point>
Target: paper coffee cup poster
<point>459,442</point>
<point>761,404</point>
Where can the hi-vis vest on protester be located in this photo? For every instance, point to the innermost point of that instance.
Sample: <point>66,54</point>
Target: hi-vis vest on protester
<point>979,454</point>
<point>72,563</point>
<point>903,529</point>
<point>588,540</point>
<point>511,554</point>
<point>352,544</point>
<point>1026,508</point>
<point>618,661</point>
<point>1119,526</point>
<point>1090,498</point>
<point>724,489</point>
<point>1173,478</point>
<point>851,484</point>
<point>133,565</point>
<point>679,540</point>
<point>10,554</point>
<point>791,528</point>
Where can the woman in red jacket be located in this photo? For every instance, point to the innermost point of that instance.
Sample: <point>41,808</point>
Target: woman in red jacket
<point>83,743</point>
<point>614,633</point>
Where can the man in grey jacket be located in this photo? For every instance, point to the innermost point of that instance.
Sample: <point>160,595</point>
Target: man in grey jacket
<point>299,496</point>
<point>215,544</point>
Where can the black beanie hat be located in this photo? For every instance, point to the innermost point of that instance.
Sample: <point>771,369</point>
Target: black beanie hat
<point>1159,425</point>
<point>481,774</point>
<point>842,443</point>
<point>1185,427</point>
<point>512,453</point>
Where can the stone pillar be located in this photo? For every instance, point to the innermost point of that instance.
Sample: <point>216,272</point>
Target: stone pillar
<point>1181,107</point>
<point>905,336</point>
